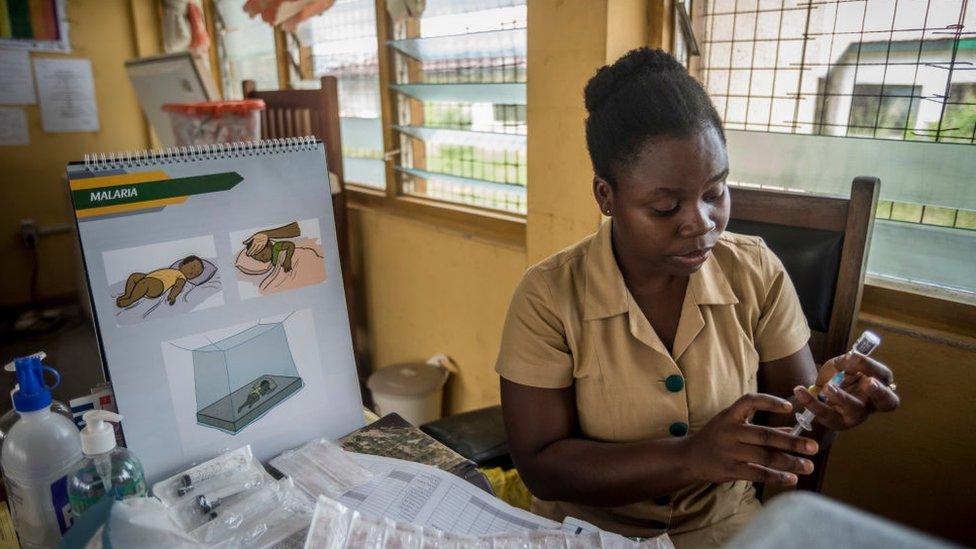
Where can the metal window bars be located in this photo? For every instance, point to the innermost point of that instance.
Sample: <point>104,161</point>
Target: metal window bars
<point>879,69</point>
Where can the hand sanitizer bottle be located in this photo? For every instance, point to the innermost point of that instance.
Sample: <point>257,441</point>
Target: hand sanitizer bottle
<point>106,469</point>
<point>38,453</point>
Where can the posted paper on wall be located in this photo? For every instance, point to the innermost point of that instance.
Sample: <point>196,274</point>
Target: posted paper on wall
<point>13,127</point>
<point>67,95</point>
<point>16,84</point>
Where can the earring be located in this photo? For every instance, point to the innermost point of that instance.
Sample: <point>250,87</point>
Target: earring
<point>606,211</point>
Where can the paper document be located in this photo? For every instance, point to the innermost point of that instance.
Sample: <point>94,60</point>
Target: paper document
<point>13,126</point>
<point>16,84</point>
<point>67,95</point>
<point>423,495</point>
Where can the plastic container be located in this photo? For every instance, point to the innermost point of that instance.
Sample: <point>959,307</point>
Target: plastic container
<point>8,420</point>
<point>412,390</point>
<point>215,121</point>
<point>106,467</point>
<point>39,452</point>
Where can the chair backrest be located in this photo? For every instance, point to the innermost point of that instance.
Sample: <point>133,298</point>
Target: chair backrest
<point>823,244</point>
<point>299,113</point>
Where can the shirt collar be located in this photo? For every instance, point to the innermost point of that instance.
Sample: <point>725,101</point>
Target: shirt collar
<point>607,295</point>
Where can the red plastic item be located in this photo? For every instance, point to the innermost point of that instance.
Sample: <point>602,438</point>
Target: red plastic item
<point>213,122</point>
<point>216,108</point>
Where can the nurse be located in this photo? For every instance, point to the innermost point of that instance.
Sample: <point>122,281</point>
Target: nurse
<point>633,363</point>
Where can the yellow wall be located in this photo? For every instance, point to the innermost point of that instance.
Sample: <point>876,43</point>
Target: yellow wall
<point>915,465</point>
<point>30,181</point>
<point>430,290</point>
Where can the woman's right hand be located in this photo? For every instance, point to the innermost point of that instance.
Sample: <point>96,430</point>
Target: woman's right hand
<point>730,448</point>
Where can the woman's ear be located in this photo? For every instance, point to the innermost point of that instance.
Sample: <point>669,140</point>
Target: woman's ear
<point>603,193</point>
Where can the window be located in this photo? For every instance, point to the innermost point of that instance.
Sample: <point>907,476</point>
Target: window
<point>828,85</point>
<point>460,110</point>
<point>245,49</point>
<point>342,43</point>
<point>883,111</point>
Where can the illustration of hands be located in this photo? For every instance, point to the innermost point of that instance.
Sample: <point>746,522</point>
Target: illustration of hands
<point>256,243</point>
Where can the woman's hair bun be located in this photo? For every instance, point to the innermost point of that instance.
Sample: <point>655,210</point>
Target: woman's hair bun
<point>610,78</point>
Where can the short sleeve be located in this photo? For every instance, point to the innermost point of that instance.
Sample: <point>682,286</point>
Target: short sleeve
<point>534,350</point>
<point>782,328</point>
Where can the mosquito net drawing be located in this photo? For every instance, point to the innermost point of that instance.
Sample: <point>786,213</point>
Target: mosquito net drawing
<point>241,377</point>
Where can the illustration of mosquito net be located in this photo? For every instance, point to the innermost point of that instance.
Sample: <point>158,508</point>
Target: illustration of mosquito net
<point>241,377</point>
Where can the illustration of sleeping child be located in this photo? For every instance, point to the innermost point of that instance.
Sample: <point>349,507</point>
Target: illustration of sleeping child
<point>156,283</point>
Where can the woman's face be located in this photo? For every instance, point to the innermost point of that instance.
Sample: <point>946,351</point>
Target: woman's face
<point>670,204</point>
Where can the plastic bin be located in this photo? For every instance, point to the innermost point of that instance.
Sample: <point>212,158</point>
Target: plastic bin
<point>215,121</point>
<point>412,390</point>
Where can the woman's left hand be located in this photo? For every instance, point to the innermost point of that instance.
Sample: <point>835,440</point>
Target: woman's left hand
<point>867,387</point>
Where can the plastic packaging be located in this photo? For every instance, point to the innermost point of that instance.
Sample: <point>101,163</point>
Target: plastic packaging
<point>263,517</point>
<point>215,121</point>
<point>106,468</point>
<point>39,452</point>
<point>196,495</point>
<point>321,467</point>
<point>335,526</point>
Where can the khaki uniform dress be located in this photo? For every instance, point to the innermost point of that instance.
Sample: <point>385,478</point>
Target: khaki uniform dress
<point>572,322</point>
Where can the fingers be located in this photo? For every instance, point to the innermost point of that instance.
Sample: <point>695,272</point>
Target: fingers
<point>769,437</point>
<point>779,461</point>
<point>881,396</point>
<point>857,363</point>
<point>742,409</point>
<point>759,473</point>
<point>824,414</point>
<point>852,410</point>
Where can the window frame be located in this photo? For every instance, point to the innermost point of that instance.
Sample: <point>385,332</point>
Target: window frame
<point>500,227</point>
<point>906,299</point>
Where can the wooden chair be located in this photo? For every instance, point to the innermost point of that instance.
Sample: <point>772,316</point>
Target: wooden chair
<point>823,243</point>
<point>298,113</point>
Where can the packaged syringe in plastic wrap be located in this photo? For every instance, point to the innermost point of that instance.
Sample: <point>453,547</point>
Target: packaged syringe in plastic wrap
<point>321,468</point>
<point>264,517</point>
<point>195,495</point>
<point>335,526</point>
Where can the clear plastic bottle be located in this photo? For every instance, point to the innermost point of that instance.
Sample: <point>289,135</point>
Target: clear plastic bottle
<point>106,468</point>
<point>38,453</point>
<point>8,419</point>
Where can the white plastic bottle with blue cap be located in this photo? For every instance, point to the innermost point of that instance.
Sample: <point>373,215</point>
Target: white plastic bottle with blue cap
<point>106,469</point>
<point>39,452</point>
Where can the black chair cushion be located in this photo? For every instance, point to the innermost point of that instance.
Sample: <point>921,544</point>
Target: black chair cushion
<point>812,259</point>
<point>478,435</point>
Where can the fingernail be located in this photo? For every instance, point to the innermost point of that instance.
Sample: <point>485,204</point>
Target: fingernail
<point>811,447</point>
<point>807,466</point>
<point>790,478</point>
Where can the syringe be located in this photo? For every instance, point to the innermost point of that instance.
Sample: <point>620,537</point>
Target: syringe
<point>865,345</point>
